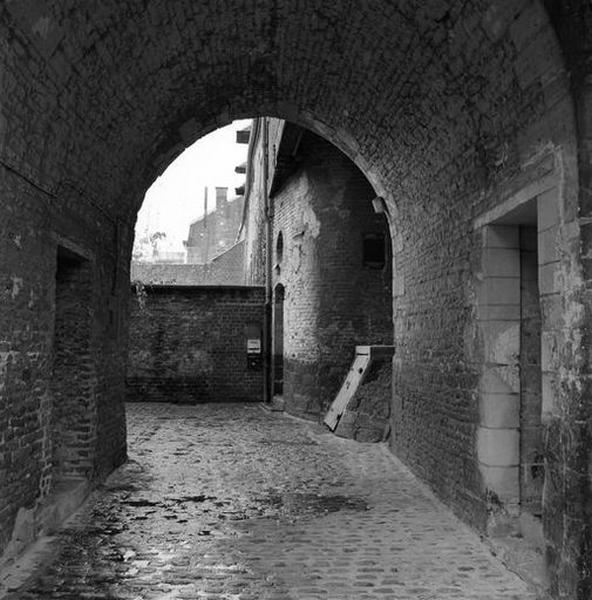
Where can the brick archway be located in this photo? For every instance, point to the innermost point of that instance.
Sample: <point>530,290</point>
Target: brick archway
<point>447,108</point>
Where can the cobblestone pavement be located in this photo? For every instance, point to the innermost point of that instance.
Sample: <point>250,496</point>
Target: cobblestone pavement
<point>233,502</point>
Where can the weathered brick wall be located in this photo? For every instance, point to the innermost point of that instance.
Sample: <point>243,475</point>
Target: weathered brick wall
<point>566,509</point>
<point>448,108</point>
<point>25,347</point>
<point>439,348</point>
<point>73,415</point>
<point>332,301</point>
<point>189,344</point>
<point>254,225</point>
<point>43,362</point>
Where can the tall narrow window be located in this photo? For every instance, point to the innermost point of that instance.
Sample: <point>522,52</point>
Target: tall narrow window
<point>279,248</point>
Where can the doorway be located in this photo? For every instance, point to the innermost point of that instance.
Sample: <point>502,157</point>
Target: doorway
<point>532,468</point>
<point>73,380</point>
<point>278,340</point>
<point>516,292</point>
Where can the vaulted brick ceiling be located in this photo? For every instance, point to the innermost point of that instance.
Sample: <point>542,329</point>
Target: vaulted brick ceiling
<point>112,90</point>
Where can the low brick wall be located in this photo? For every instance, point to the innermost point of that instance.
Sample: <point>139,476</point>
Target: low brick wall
<point>189,344</point>
<point>226,269</point>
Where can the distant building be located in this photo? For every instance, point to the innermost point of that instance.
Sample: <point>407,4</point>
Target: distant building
<point>214,232</point>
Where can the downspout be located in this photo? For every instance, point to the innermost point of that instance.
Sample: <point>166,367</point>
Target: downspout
<point>267,370</point>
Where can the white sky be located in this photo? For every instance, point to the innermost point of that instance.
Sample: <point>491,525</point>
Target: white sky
<point>177,197</point>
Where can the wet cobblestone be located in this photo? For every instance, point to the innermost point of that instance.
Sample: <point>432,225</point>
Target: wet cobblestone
<point>230,502</point>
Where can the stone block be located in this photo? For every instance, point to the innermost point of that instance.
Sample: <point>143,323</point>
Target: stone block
<point>548,209</point>
<point>549,401</point>
<point>530,408</point>
<point>501,262</point>
<point>500,410</point>
<point>501,341</point>
<point>503,481</point>
<point>549,358</point>
<point>499,290</point>
<point>550,278</point>
<point>500,380</point>
<point>498,447</point>
<point>549,243</point>
<point>498,312</point>
<point>501,236</point>
<point>552,311</point>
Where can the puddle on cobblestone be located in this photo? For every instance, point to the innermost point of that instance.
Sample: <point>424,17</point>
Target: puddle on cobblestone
<point>140,503</point>
<point>200,498</point>
<point>301,442</point>
<point>301,503</point>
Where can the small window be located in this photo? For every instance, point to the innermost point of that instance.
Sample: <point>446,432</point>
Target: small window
<point>279,248</point>
<point>374,250</point>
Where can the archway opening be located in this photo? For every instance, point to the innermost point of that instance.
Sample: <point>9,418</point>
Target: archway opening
<point>317,205</point>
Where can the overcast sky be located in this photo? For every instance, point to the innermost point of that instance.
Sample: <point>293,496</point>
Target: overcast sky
<point>177,197</point>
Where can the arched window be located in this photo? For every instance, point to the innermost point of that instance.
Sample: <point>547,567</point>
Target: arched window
<point>279,248</point>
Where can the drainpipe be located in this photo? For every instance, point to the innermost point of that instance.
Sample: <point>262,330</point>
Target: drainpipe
<point>267,389</point>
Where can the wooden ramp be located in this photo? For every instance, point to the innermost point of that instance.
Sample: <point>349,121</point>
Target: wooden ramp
<point>350,385</point>
<point>362,360</point>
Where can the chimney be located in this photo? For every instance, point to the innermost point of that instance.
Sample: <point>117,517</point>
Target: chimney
<point>221,197</point>
<point>205,219</point>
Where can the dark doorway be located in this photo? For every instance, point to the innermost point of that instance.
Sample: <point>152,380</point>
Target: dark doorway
<point>73,382</point>
<point>531,447</point>
<point>278,340</point>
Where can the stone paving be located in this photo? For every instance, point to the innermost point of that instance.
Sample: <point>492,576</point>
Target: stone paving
<point>231,502</point>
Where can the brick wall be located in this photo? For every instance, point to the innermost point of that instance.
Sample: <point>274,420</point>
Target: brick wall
<point>226,269</point>
<point>253,228</point>
<point>73,415</point>
<point>189,343</point>
<point>332,301</point>
<point>61,345</point>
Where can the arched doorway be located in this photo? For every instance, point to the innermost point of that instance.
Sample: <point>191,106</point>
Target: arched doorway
<point>278,339</point>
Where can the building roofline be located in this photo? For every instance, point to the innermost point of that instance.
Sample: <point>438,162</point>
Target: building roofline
<point>210,212</point>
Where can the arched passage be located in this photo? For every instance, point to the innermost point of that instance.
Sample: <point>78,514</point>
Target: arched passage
<point>448,109</point>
